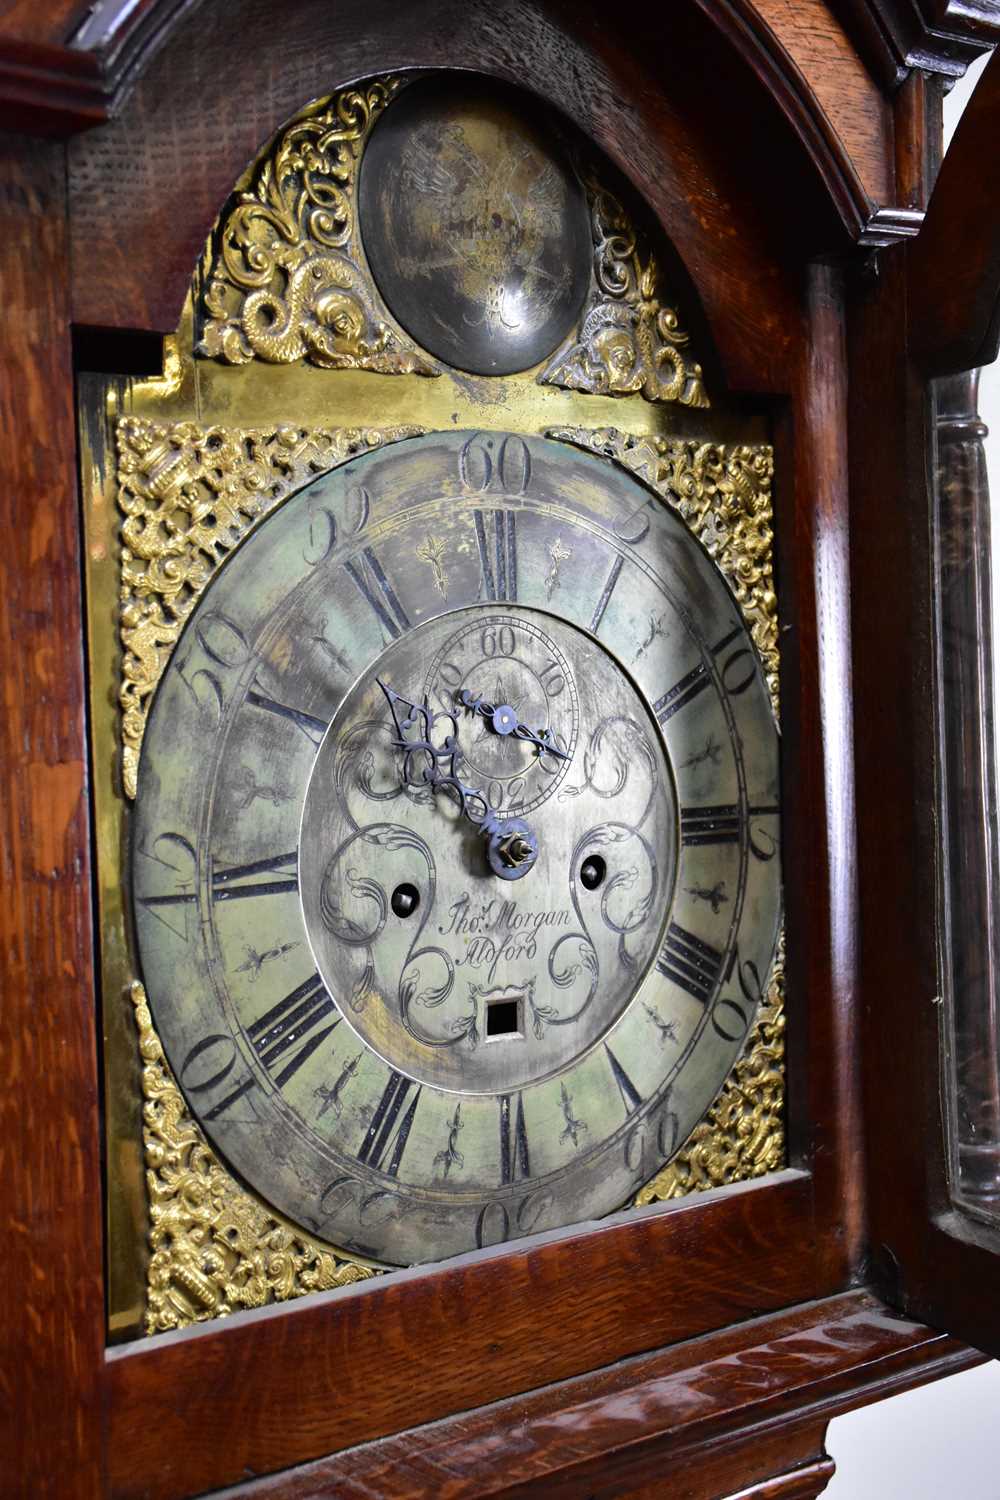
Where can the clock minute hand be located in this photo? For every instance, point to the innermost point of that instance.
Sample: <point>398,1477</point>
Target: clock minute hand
<point>511,844</point>
<point>503,720</point>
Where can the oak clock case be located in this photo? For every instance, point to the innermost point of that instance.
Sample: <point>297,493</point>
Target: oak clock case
<point>454,848</point>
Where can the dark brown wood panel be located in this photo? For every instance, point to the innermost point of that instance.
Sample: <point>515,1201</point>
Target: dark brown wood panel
<point>147,187</point>
<point>423,1344</point>
<point>52,1318</point>
<point>743,1409</point>
<point>818,768</point>
<point>954,297</point>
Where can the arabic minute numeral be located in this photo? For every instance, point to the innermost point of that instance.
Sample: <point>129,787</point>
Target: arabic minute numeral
<point>208,1065</point>
<point>731,1018</point>
<point>222,643</point>
<point>485,468</point>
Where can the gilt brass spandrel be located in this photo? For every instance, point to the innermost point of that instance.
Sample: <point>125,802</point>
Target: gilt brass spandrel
<point>285,278</point>
<point>187,494</point>
<point>743,1134</point>
<point>216,1248</point>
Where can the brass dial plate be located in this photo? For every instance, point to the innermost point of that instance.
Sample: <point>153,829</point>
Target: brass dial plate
<point>363,1152</point>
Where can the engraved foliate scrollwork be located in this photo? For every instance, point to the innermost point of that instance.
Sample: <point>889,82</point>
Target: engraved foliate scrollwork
<point>286,280</point>
<point>722,491</point>
<point>630,339</point>
<point>187,494</point>
<point>215,1249</point>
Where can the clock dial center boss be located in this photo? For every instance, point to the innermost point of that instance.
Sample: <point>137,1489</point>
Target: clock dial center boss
<point>538,970</point>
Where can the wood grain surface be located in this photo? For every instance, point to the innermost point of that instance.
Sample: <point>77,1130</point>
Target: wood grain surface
<point>695,1422</point>
<point>425,1343</point>
<point>954,266</point>
<point>52,1318</point>
<point>147,187</point>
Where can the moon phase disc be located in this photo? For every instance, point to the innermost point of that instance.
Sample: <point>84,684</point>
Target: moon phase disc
<point>475,228</point>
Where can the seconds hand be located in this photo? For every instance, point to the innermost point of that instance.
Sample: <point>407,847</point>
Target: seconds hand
<point>503,720</point>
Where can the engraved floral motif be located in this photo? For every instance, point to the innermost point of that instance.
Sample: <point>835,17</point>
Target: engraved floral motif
<point>286,280</point>
<point>188,493</point>
<point>215,1248</point>
<point>742,1135</point>
<point>630,339</point>
<point>722,492</point>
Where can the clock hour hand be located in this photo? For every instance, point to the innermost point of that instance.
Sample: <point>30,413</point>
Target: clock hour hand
<point>503,720</point>
<point>511,844</point>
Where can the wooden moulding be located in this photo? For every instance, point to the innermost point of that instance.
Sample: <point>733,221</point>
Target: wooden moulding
<point>744,1410</point>
<point>208,1406</point>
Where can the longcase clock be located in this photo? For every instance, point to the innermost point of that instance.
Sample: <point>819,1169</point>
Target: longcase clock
<point>485,624</point>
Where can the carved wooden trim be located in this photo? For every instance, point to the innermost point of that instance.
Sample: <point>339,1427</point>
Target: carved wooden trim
<point>741,1413</point>
<point>936,36</point>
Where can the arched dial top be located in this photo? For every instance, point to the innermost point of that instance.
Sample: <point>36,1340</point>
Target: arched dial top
<point>402,1051</point>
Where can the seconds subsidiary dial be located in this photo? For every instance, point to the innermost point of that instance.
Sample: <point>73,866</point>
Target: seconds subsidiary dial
<point>455,859</point>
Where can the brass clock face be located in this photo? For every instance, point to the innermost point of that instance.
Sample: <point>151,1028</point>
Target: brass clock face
<point>455,862</point>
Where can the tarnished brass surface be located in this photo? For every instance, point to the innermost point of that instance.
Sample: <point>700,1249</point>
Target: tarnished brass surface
<point>215,1248</point>
<point>629,339</point>
<point>743,1134</point>
<point>475,226</point>
<point>347,1062</point>
<point>712,468</point>
<point>285,277</point>
<point>188,493</point>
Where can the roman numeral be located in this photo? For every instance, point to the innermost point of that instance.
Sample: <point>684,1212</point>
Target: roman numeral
<point>226,884</point>
<point>496,536</point>
<point>384,1135</point>
<point>289,1023</point>
<point>373,585</point>
<point>631,1098</point>
<point>608,590</point>
<point>313,728</point>
<point>689,962</point>
<point>710,825</point>
<point>514,1162</point>
<point>698,679</point>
